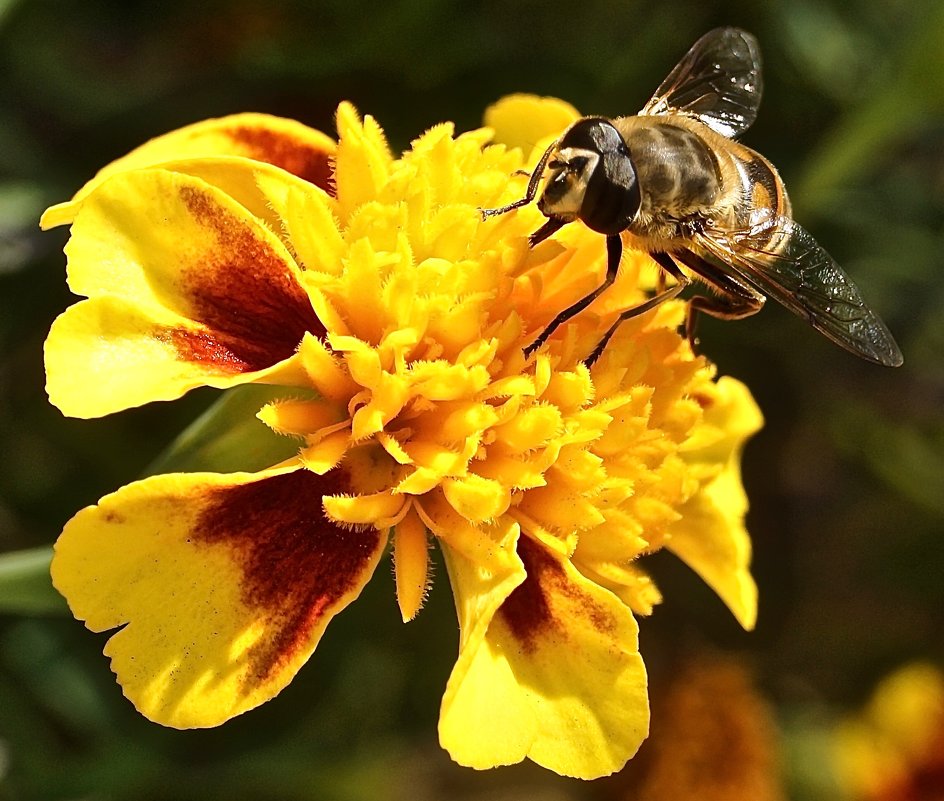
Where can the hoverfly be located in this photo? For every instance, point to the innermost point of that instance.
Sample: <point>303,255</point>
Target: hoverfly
<point>672,181</point>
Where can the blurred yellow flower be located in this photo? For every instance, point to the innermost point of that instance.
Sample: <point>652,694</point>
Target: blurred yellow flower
<point>893,750</point>
<point>252,249</point>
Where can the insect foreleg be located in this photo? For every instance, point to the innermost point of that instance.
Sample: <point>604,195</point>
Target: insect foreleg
<point>550,227</point>
<point>614,250</point>
<point>531,192</point>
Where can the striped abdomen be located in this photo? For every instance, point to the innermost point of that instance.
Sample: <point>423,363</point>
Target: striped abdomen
<point>760,183</point>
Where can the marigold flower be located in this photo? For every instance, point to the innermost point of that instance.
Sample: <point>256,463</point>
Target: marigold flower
<point>893,749</point>
<point>253,249</point>
<point>713,738</point>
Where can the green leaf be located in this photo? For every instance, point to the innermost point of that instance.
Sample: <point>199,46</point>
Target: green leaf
<point>228,437</point>
<point>910,96</point>
<point>25,586</point>
<point>906,456</point>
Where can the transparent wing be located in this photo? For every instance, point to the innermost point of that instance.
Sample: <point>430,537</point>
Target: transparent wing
<point>718,81</point>
<point>782,260</point>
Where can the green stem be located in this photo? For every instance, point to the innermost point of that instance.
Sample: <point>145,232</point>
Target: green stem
<point>25,586</point>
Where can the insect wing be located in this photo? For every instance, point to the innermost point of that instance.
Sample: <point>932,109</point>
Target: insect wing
<point>718,81</point>
<point>782,260</point>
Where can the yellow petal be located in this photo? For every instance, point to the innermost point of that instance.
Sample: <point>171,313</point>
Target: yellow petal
<point>710,538</point>
<point>411,564</point>
<point>476,543</point>
<point>434,460</point>
<point>390,393</point>
<point>632,585</point>
<point>420,481</point>
<point>174,246</point>
<point>326,372</point>
<point>557,678</point>
<point>313,229</point>
<point>523,120</point>
<point>619,539</point>
<point>108,354</point>
<point>363,160</point>
<point>482,579</point>
<point>296,417</point>
<point>440,381</point>
<point>477,499</point>
<point>265,191</point>
<point>362,509</point>
<point>223,585</point>
<point>455,422</point>
<point>284,143</point>
<point>326,453</point>
<point>514,471</point>
<point>710,535</point>
<point>531,428</point>
<point>561,508</point>
<point>364,270</point>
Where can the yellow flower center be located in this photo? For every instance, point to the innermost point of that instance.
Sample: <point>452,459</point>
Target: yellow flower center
<point>426,400</point>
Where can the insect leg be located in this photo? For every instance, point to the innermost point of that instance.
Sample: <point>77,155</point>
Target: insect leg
<point>724,307</point>
<point>552,225</point>
<point>614,250</point>
<point>735,300</point>
<point>681,281</point>
<point>532,190</point>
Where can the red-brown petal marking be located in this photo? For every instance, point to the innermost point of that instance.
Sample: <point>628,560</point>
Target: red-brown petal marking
<point>292,155</point>
<point>297,564</point>
<point>529,612</point>
<point>254,309</point>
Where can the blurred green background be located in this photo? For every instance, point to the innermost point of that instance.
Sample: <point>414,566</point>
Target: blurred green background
<point>846,481</point>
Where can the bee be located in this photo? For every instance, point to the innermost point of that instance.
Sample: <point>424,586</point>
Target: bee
<point>673,182</point>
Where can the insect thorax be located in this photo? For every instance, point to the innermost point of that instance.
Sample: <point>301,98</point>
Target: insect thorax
<point>679,175</point>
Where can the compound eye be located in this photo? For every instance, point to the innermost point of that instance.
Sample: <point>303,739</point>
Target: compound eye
<point>612,196</point>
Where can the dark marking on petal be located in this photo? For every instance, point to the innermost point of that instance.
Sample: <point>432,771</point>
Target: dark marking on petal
<point>252,310</point>
<point>528,611</point>
<point>703,399</point>
<point>204,347</point>
<point>293,155</point>
<point>296,563</point>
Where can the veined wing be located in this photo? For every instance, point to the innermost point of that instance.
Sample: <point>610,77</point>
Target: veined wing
<point>718,81</point>
<point>781,259</point>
